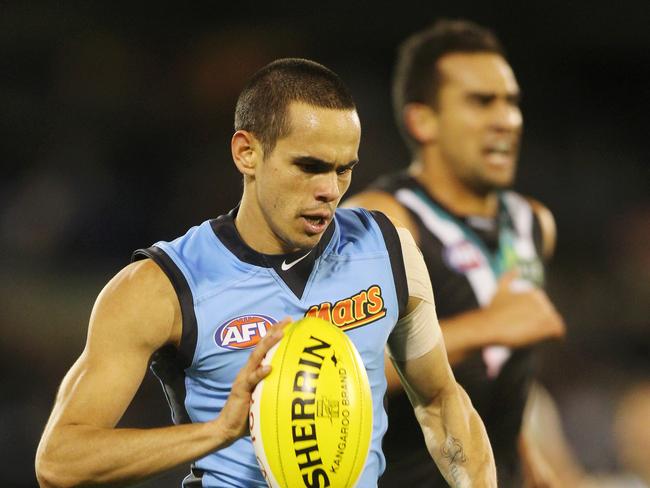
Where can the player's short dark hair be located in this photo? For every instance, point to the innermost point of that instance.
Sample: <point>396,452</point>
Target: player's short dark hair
<point>416,77</point>
<point>262,107</point>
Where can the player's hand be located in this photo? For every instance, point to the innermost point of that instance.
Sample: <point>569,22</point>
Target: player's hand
<point>233,419</point>
<point>522,314</point>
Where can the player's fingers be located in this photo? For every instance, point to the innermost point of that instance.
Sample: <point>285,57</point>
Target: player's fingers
<point>254,371</point>
<point>273,336</point>
<point>258,375</point>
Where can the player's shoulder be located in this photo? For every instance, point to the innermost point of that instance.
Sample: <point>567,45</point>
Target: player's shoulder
<point>363,232</point>
<point>139,282</point>
<point>354,222</point>
<point>200,252</point>
<point>540,210</point>
<point>387,204</point>
<point>140,293</point>
<point>514,199</point>
<point>362,217</point>
<point>374,199</point>
<point>144,273</point>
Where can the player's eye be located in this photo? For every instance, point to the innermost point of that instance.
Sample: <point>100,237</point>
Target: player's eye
<point>482,100</point>
<point>514,100</point>
<point>313,168</point>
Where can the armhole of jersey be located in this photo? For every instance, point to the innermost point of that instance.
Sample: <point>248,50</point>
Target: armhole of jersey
<point>189,332</point>
<point>394,247</point>
<point>538,237</point>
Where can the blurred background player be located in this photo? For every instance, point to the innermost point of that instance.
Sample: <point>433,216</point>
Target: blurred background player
<point>456,100</point>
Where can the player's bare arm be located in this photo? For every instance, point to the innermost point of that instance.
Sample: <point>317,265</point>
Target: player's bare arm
<point>136,314</point>
<point>453,431</point>
<point>514,318</point>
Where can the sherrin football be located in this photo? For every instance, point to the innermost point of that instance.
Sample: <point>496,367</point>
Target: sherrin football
<point>311,417</point>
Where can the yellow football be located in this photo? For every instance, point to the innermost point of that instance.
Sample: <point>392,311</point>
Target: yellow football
<point>311,417</point>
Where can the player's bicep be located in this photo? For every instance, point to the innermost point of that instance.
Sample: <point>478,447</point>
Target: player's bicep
<point>426,377</point>
<point>418,330</point>
<point>416,333</point>
<point>134,315</point>
<point>417,274</point>
<point>97,393</point>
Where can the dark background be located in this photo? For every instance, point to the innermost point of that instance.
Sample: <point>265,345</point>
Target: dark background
<point>115,129</point>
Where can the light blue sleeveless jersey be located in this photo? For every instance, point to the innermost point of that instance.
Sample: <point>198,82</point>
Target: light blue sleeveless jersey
<point>230,295</point>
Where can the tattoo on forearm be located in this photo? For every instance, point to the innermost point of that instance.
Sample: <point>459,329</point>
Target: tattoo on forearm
<point>453,451</point>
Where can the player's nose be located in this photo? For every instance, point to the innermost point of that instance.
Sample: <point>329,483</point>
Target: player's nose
<point>327,188</point>
<point>507,117</point>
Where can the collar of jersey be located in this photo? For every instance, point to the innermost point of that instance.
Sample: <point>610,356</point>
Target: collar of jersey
<point>503,222</point>
<point>225,230</point>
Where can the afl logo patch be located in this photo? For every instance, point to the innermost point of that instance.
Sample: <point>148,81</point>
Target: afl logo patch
<point>463,257</point>
<point>243,332</point>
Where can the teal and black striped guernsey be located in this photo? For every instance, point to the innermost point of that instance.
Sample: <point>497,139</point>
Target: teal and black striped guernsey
<point>465,256</point>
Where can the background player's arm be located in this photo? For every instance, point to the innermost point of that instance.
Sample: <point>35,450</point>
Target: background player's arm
<point>454,433</point>
<point>514,318</point>
<point>548,459</point>
<point>135,314</point>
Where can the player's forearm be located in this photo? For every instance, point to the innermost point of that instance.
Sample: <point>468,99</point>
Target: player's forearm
<point>78,455</point>
<point>459,444</point>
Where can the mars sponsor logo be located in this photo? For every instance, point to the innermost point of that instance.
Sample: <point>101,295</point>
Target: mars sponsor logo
<point>243,332</point>
<point>463,257</point>
<point>355,311</point>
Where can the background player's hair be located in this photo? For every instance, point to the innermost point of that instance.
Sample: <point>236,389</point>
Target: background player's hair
<point>262,104</point>
<point>416,77</point>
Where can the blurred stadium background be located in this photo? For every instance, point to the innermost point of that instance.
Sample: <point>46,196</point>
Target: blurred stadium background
<point>115,129</point>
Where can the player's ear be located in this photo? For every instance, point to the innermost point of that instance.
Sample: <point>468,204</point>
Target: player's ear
<point>421,122</point>
<point>246,152</point>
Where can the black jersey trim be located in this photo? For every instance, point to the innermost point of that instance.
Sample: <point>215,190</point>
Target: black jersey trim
<point>394,247</point>
<point>166,366</point>
<point>194,479</point>
<point>538,237</point>
<point>226,231</point>
<point>168,363</point>
<point>189,332</point>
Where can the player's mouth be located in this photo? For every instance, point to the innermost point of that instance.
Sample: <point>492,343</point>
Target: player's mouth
<point>316,222</point>
<point>500,153</point>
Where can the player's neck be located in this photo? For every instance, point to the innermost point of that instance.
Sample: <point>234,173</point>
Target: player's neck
<point>254,230</point>
<point>450,191</point>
